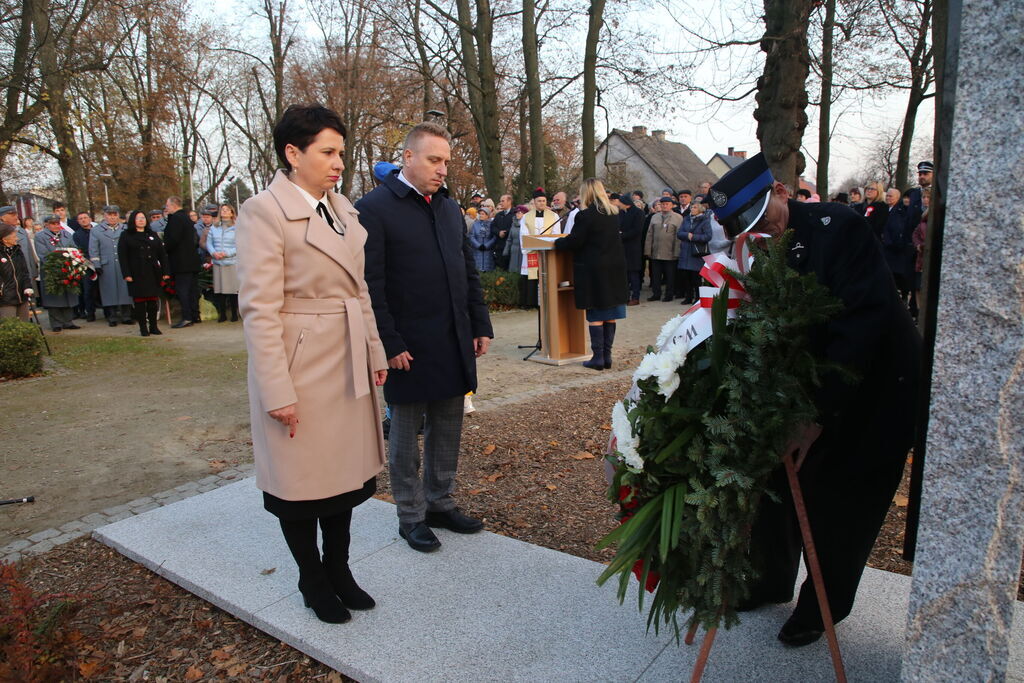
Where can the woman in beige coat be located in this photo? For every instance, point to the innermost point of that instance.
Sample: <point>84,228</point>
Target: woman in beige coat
<point>314,356</point>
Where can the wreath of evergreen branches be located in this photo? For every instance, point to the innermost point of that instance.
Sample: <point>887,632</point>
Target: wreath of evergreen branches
<point>709,449</point>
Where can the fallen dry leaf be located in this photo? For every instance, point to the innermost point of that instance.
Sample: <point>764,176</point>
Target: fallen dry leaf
<point>268,572</point>
<point>900,500</point>
<point>582,455</point>
<point>222,653</point>
<point>552,443</point>
<point>238,669</point>
<point>552,487</point>
<point>88,668</point>
<point>476,492</point>
<point>489,448</point>
<point>193,674</point>
<point>183,418</point>
<point>606,427</point>
<point>495,477</point>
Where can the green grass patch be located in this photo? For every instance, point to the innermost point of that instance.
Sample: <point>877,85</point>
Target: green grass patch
<point>80,353</point>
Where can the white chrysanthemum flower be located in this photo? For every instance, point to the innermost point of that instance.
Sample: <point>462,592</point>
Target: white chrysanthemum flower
<point>666,331</point>
<point>626,441</point>
<point>647,367</point>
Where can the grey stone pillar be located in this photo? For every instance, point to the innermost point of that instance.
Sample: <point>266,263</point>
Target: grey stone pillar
<point>972,515</point>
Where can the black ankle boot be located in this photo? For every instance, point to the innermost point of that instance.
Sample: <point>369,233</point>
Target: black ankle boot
<point>597,346</point>
<point>233,300</point>
<point>609,339</point>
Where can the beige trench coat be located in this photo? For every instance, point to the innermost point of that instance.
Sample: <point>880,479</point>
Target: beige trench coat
<point>312,341</point>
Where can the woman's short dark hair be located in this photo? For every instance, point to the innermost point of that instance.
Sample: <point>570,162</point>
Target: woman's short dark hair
<point>300,123</point>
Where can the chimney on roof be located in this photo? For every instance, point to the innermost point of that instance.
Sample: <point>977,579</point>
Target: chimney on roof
<point>658,135</point>
<point>640,130</point>
<point>740,154</point>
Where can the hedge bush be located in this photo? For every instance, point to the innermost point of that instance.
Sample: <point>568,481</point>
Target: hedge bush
<point>21,348</point>
<point>501,289</point>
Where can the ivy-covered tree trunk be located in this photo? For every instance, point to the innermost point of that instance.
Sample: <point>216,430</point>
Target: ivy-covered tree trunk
<point>781,90</point>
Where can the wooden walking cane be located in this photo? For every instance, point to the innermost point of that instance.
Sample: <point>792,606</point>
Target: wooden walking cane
<point>819,588</point>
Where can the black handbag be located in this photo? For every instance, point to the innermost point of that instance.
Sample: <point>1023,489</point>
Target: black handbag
<point>700,248</point>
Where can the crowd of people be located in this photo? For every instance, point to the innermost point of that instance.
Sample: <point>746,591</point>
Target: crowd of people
<point>134,263</point>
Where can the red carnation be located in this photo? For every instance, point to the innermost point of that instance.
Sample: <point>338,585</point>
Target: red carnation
<point>67,282</point>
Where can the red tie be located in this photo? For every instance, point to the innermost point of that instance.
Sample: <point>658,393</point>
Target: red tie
<point>427,197</point>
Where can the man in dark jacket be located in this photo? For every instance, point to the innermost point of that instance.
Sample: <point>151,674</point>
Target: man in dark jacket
<point>87,299</point>
<point>854,456</point>
<point>181,242</point>
<point>434,324</point>
<point>500,228</point>
<point>631,226</point>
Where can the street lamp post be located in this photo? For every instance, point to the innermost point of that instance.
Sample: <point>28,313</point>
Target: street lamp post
<point>106,194</point>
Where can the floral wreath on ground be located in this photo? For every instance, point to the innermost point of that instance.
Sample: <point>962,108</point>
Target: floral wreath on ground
<point>63,270</point>
<point>703,427</point>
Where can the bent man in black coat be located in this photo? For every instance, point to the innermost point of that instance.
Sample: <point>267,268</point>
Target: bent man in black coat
<point>181,242</point>
<point>631,227</point>
<point>854,456</point>
<point>434,324</point>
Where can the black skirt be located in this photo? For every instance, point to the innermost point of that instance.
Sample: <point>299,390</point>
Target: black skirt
<point>291,510</point>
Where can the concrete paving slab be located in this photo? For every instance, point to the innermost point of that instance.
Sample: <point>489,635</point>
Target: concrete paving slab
<point>483,608</point>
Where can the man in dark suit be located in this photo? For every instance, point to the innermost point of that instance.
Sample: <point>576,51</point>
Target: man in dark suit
<point>181,242</point>
<point>434,324</point>
<point>631,227</point>
<point>853,457</point>
<point>500,227</point>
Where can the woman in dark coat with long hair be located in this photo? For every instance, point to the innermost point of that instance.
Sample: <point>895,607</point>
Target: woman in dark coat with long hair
<point>143,265</point>
<point>599,269</point>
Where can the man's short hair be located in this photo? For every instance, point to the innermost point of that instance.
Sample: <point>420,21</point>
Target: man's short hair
<point>803,192</point>
<point>300,123</point>
<point>638,193</point>
<point>58,205</point>
<point>174,201</point>
<point>422,130</point>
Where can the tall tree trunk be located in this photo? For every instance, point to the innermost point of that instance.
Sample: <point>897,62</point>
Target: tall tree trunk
<point>595,23</point>
<point>531,62</point>
<point>524,189</point>
<point>481,84</point>
<point>825,108</point>
<point>781,89</point>
<point>54,94</point>
<point>921,75</point>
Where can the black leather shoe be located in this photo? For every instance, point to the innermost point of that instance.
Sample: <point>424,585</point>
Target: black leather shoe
<point>795,634</point>
<point>72,326</point>
<point>653,297</point>
<point>111,323</point>
<point>454,520</point>
<point>127,321</point>
<point>668,298</point>
<point>91,318</point>
<point>182,323</point>
<point>419,537</point>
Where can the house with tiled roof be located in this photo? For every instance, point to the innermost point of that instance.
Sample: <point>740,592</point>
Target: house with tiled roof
<point>636,160</point>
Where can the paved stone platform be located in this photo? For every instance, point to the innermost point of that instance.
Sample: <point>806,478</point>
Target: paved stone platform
<point>483,608</point>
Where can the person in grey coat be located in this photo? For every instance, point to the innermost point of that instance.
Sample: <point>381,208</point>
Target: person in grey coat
<point>103,239</point>
<point>482,241</point>
<point>513,253</point>
<point>58,306</point>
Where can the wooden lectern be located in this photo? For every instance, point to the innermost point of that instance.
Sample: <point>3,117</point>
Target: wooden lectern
<point>563,327</point>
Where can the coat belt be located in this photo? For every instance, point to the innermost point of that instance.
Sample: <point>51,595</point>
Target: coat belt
<point>356,331</point>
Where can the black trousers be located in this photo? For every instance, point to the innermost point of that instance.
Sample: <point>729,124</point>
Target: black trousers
<point>633,279</point>
<point>848,481</point>
<point>188,295</point>
<point>663,270</point>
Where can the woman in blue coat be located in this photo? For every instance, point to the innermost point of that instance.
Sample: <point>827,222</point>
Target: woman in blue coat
<point>482,241</point>
<point>220,243</point>
<point>694,233</point>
